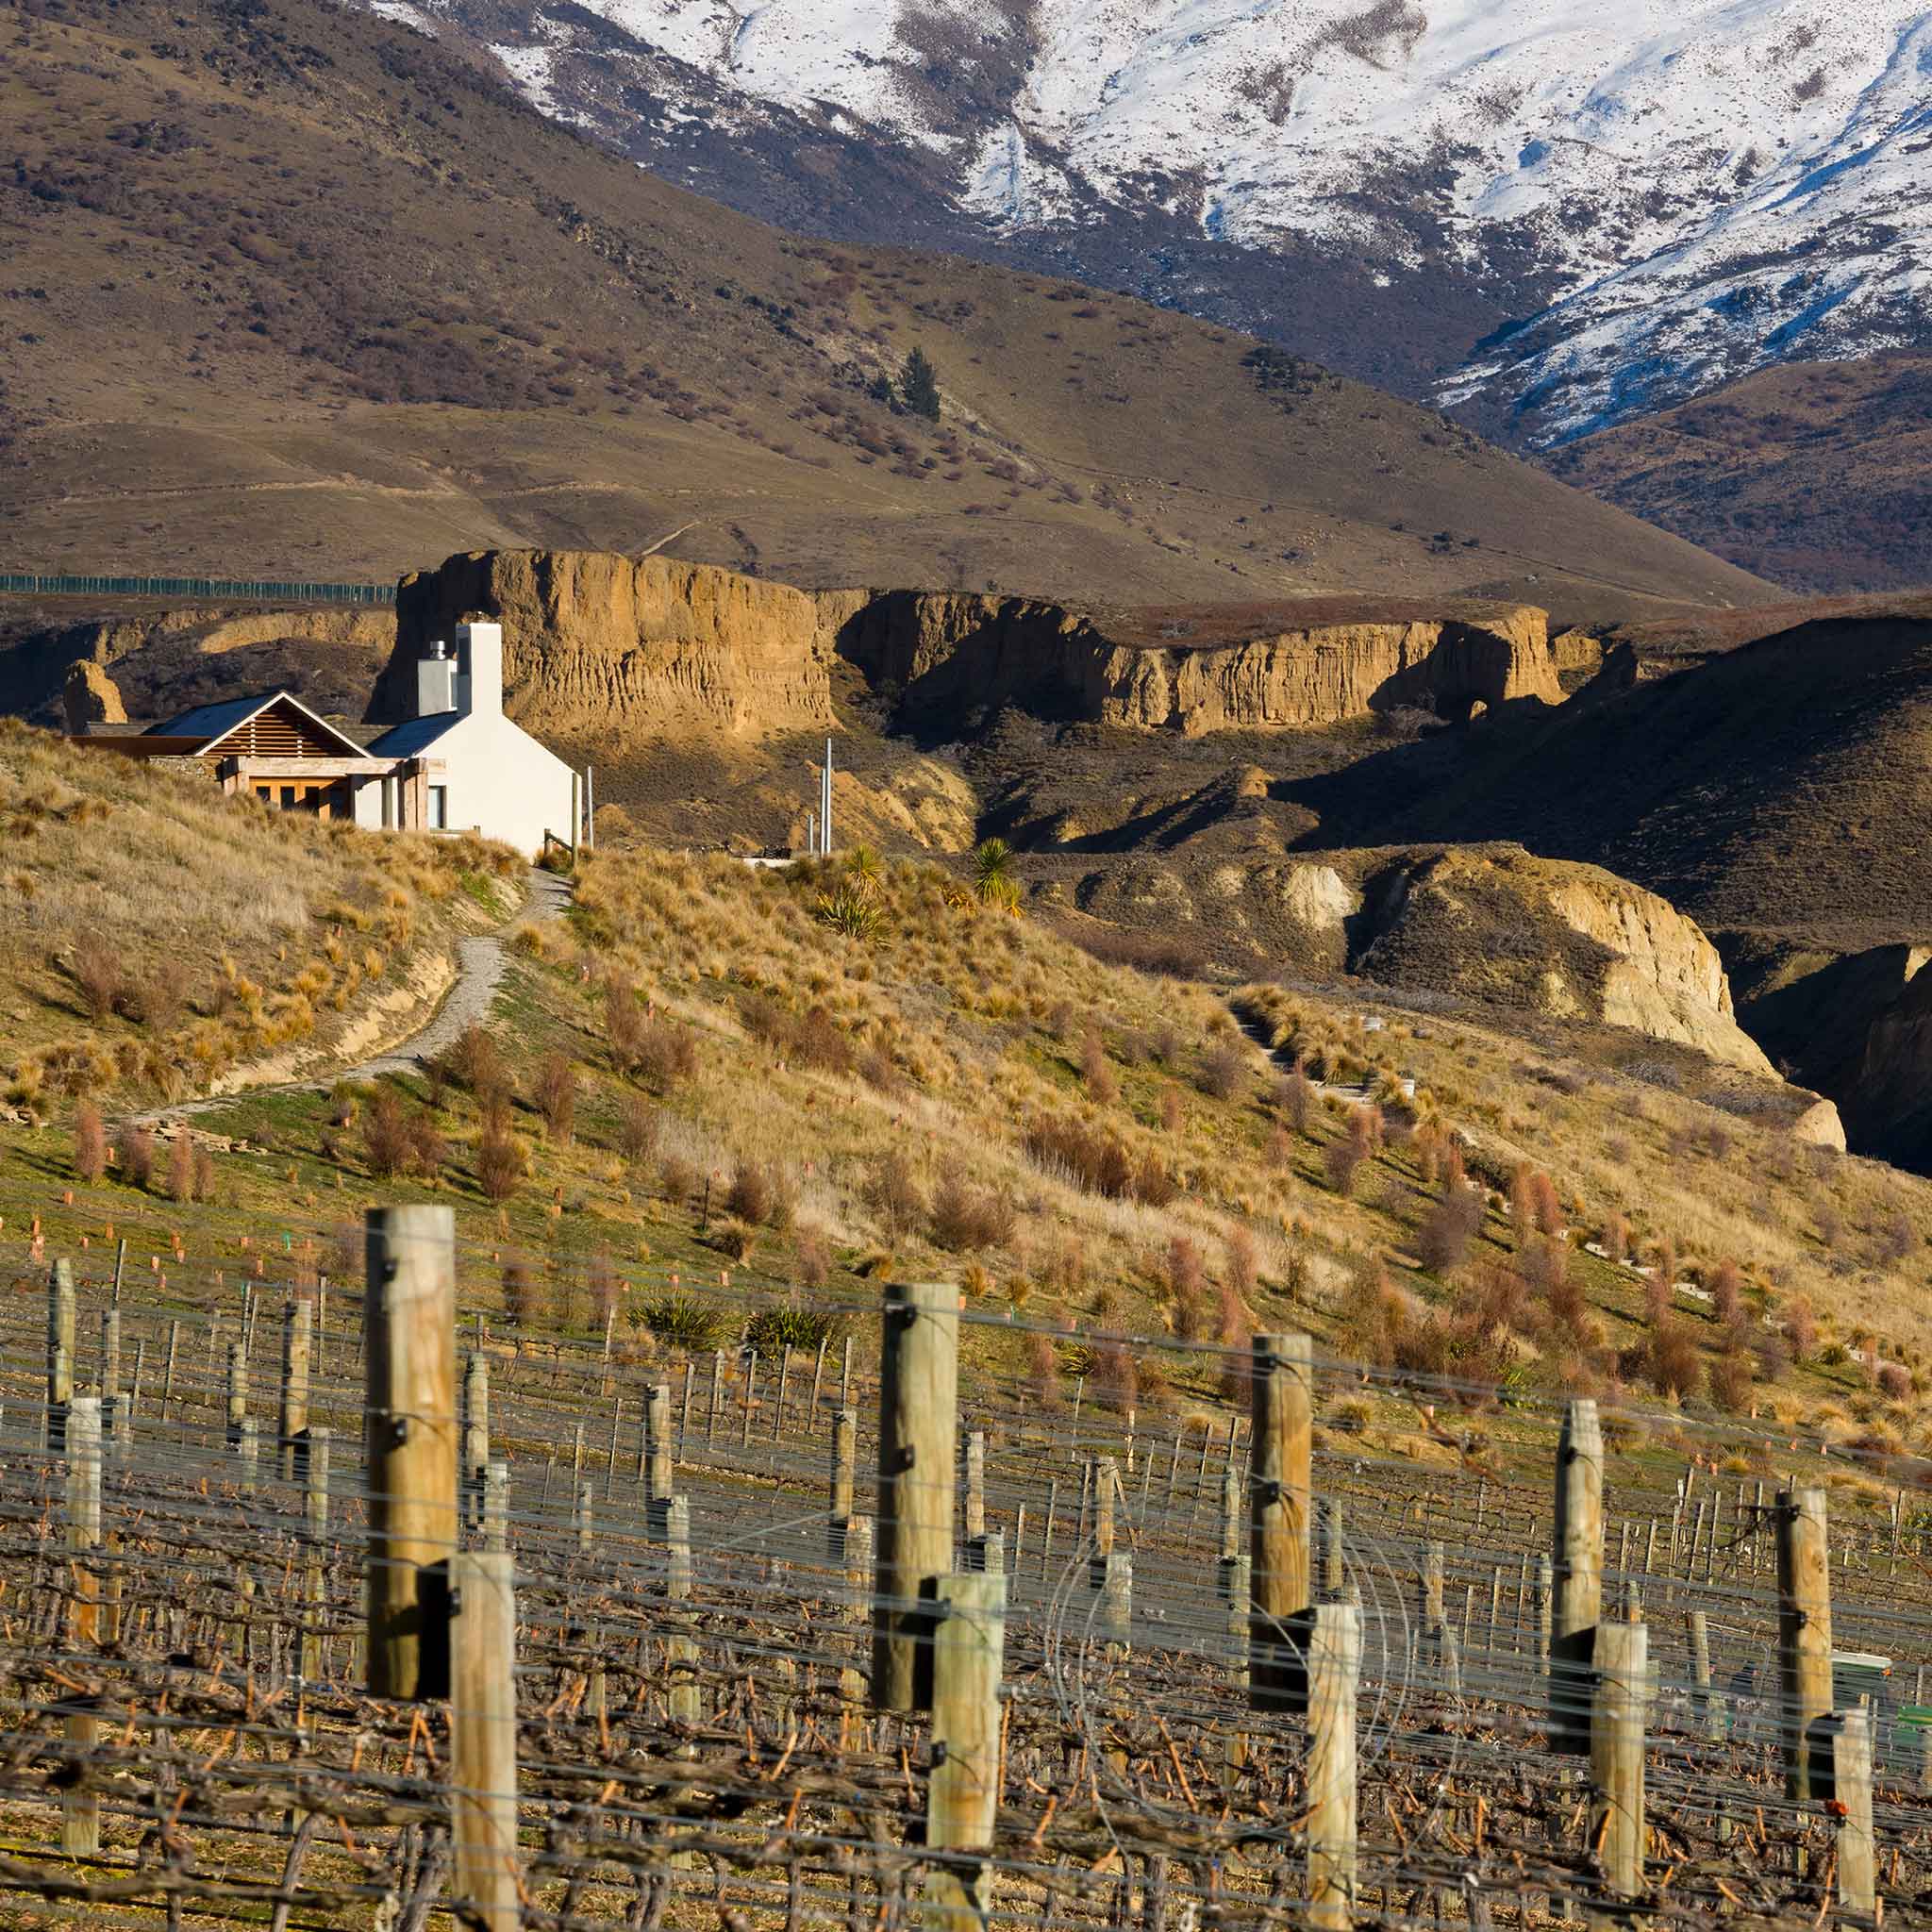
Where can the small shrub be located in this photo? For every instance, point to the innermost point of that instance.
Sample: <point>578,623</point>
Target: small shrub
<point>1447,1229</point>
<point>812,1258</point>
<point>893,1193</point>
<point>99,980</point>
<point>522,1298</point>
<point>475,1064</point>
<point>1616,1241</point>
<point>1671,1359</point>
<point>666,1054</point>
<point>181,1169</point>
<point>758,1194</point>
<point>1113,1380</point>
<point>1896,1382</point>
<point>1095,1073</point>
<point>735,1237</point>
<point>204,1174</point>
<point>1730,1381</point>
<point>1223,1070</point>
<point>1727,1294</point>
<point>1186,1286</point>
<point>682,1322</point>
<point>388,1149</point>
<point>606,1290</point>
<point>1243,1266</point>
<point>134,1155</point>
<point>637,1127</point>
<point>966,1220</point>
<point>1339,1161</point>
<point>772,1331</point>
<point>556,1096</point>
<point>501,1165</point>
<point>89,1158</point>
<point>1295,1097</point>
<point>677,1179</point>
<point>1043,1370</point>
<point>1801,1329</point>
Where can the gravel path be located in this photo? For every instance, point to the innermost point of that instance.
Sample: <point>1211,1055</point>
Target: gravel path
<point>480,964</point>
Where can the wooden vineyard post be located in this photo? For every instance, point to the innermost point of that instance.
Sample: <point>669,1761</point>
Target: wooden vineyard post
<point>1545,1597</point>
<point>988,1552</point>
<point>59,1354</point>
<point>112,1420</point>
<point>918,1395</point>
<point>1278,1524</point>
<point>1846,1740</point>
<point>1703,1705</point>
<point>844,1462</point>
<point>586,1517</point>
<point>1331,1551</point>
<point>81,1811</point>
<point>1616,1761</point>
<point>1334,1665</point>
<point>1804,1625</point>
<point>1230,1514</point>
<point>485,1890</point>
<point>168,1366</point>
<point>684,1703</point>
<point>410,1446</point>
<point>1578,1575</point>
<point>248,1456</point>
<point>963,1790</point>
<point>660,1467</point>
<point>1237,1593</point>
<point>476,1462</point>
<point>237,1391</point>
<point>496,1507</point>
<point>975,1485</point>
<point>1106,1483</point>
<point>857,1540</point>
<point>716,1409</point>
<point>314,1537</point>
<point>292,1423</point>
<point>1117,1603</point>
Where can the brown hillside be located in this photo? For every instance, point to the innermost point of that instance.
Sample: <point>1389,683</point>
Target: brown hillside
<point>293,289</point>
<point>1812,474</point>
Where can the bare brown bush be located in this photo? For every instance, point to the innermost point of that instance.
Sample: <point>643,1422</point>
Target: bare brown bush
<point>556,1096</point>
<point>134,1155</point>
<point>966,1220</point>
<point>90,1155</point>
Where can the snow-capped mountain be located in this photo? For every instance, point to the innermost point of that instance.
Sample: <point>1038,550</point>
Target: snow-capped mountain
<point>1631,201</point>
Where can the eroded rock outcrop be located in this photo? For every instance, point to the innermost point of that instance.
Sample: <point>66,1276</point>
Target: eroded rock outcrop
<point>594,642</point>
<point>941,653</point>
<point>1495,924</point>
<point>91,697</point>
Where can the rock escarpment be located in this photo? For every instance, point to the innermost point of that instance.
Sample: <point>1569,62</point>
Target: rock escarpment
<point>595,643</point>
<point>1494,924</point>
<point>940,652</point>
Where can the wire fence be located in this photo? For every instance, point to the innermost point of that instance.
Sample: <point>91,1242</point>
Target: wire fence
<point>699,1539</point>
<point>250,590</point>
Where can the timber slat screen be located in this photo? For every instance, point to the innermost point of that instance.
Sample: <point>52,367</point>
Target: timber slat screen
<point>248,590</point>
<point>363,1605</point>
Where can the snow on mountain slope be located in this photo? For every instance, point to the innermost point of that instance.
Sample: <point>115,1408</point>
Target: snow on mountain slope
<point>1696,186</point>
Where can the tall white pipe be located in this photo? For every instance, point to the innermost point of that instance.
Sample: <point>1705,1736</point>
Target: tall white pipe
<point>826,817</point>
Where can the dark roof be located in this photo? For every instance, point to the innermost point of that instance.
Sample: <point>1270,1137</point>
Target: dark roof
<point>413,735</point>
<point>206,722</point>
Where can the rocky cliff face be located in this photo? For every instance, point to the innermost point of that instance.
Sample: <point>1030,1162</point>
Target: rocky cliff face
<point>594,642</point>
<point>1493,923</point>
<point>942,652</point>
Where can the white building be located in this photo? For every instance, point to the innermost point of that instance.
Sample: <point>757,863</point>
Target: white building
<point>484,773</point>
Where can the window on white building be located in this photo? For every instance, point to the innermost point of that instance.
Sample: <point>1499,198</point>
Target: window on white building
<point>439,807</point>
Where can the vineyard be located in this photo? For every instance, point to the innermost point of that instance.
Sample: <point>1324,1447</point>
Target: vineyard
<point>338,1608</point>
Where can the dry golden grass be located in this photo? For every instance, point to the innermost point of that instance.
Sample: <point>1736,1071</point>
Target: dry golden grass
<point>154,933</point>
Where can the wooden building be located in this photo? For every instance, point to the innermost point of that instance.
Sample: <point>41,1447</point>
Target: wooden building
<point>274,746</point>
